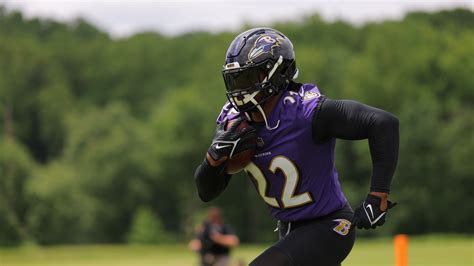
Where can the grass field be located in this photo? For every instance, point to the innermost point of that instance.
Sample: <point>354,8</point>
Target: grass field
<point>431,250</point>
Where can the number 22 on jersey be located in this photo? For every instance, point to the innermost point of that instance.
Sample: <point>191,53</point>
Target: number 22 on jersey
<point>292,178</point>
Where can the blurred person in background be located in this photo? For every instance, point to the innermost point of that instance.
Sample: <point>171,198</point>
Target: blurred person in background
<point>293,169</point>
<point>214,240</point>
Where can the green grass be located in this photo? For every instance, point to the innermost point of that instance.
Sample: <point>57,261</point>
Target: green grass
<point>431,250</point>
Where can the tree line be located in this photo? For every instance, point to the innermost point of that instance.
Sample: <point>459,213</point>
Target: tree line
<point>100,136</point>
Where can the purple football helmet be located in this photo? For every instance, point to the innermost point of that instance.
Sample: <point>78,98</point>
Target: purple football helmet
<point>260,62</point>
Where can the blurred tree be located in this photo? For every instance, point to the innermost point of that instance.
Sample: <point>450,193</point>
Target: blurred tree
<point>63,211</point>
<point>148,229</point>
<point>16,168</point>
<point>104,173</point>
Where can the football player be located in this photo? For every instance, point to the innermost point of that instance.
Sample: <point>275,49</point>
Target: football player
<point>214,240</point>
<point>293,168</point>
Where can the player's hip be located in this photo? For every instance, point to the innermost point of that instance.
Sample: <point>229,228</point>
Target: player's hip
<point>325,240</point>
<point>337,207</point>
<point>341,219</point>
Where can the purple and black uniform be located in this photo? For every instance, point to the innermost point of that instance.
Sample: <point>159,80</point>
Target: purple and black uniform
<point>296,177</point>
<point>294,172</point>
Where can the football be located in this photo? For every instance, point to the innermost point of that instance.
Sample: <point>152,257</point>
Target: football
<point>241,159</point>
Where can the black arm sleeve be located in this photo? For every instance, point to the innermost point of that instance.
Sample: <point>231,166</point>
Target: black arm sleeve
<point>210,180</point>
<point>352,120</point>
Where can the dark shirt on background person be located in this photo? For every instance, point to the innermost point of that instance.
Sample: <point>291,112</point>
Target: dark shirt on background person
<point>214,240</point>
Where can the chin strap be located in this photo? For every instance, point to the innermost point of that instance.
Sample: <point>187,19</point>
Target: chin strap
<point>260,109</point>
<point>265,119</point>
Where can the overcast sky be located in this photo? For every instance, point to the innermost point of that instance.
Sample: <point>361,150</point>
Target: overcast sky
<point>124,17</point>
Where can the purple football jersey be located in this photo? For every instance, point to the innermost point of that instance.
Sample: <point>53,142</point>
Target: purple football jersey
<point>294,176</point>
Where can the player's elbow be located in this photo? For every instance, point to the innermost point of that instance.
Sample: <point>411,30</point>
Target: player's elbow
<point>207,192</point>
<point>206,197</point>
<point>210,181</point>
<point>387,121</point>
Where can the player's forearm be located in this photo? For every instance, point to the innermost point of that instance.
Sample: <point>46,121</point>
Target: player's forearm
<point>383,143</point>
<point>210,180</point>
<point>354,121</point>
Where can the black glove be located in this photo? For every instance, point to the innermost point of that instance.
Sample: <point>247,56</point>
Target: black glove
<point>368,214</point>
<point>231,141</point>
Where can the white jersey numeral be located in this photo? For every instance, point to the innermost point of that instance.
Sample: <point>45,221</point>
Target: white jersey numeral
<point>292,176</point>
<point>261,184</point>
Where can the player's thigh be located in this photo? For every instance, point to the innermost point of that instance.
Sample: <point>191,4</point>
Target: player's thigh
<point>272,256</point>
<point>317,244</point>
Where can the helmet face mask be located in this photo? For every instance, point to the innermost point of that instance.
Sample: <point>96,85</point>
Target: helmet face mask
<point>260,63</point>
<point>248,86</point>
<point>248,99</point>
